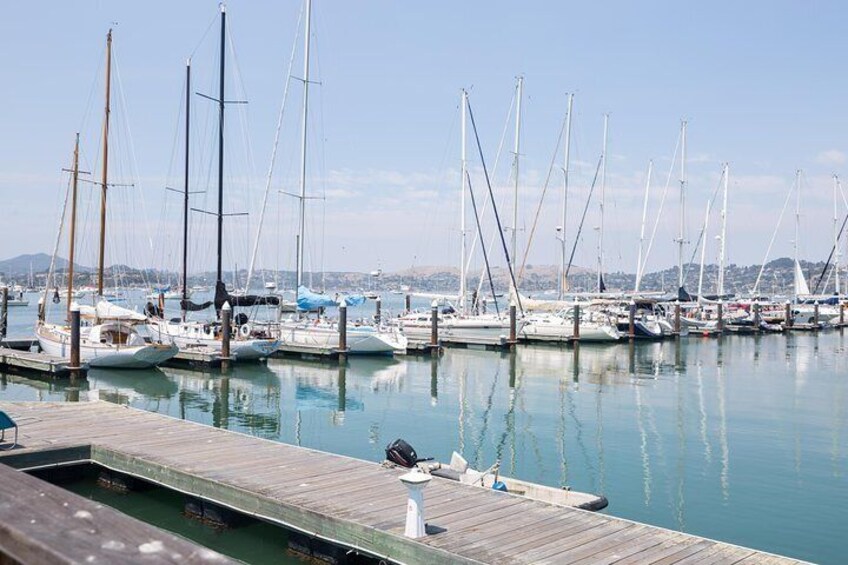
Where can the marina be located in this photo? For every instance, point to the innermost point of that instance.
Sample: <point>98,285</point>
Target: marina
<point>367,284</point>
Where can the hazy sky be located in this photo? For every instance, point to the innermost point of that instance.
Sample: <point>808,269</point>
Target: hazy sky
<point>761,85</point>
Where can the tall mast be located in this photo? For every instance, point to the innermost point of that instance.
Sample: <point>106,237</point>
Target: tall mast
<point>722,254</point>
<point>836,234</point>
<point>463,173</point>
<point>642,231</point>
<point>681,234</point>
<point>185,185</point>
<point>302,218</point>
<point>797,221</point>
<point>563,284</point>
<point>104,178</point>
<point>72,237</point>
<point>704,250</point>
<point>220,273</point>
<point>519,94</point>
<point>603,197</point>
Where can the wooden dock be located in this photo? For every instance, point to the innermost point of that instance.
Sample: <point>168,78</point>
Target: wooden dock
<point>350,502</point>
<point>14,360</point>
<point>196,358</point>
<point>310,352</point>
<point>44,523</point>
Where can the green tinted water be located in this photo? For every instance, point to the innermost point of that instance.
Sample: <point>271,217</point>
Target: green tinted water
<point>742,439</point>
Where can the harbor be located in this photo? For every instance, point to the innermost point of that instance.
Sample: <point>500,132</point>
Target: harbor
<point>360,284</point>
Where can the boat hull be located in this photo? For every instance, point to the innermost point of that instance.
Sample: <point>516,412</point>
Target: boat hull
<point>360,340</point>
<point>101,355</point>
<point>189,336</point>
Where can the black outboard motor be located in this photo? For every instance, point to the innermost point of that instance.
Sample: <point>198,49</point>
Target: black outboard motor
<point>401,453</point>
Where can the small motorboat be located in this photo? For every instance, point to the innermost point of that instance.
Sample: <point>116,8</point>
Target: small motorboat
<point>399,453</point>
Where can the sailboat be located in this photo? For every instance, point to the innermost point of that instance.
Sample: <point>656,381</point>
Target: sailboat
<point>456,325</point>
<point>247,343</point>
<point>109,337</point>
<point>297,330</point>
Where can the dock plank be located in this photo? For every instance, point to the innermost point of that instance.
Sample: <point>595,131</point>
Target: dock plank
<point>358,504</point>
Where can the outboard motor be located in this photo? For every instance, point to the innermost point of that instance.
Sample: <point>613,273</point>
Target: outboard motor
<point>401,453</point>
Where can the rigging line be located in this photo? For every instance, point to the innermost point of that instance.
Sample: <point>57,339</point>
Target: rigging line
<point>773,237</point>
<point>583,217</point>
<point>710,203</point>
<point>541,201</point>
<point>662,204</point>
<point>270,175</point>
<point>494,207</point>
<point>205,33</point>
<point>482,246</point>
<point>505,195</point>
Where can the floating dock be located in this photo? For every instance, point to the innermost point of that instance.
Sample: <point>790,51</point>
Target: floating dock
<point>353,503</point>
<point>14,360</point>
<point>44,523</point>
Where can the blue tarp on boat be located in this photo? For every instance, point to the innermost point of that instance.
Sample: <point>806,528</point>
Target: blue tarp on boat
<point>308,300</point>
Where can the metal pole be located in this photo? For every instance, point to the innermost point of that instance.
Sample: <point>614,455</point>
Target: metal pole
<point>220,271</point>
<point>186,189</point>
<point>105,177</point>
<point>302,203</point>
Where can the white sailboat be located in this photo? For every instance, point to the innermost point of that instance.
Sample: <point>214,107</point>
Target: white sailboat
<point>109,337</point>
<point>455,324</point>
<point>247,343</point>
<point>300,331</point>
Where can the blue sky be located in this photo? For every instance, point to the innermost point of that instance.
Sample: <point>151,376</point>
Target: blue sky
<point>760,83</point>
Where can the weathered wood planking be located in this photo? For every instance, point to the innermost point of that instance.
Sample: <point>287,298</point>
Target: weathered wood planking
<point>43,523</point>
<point>355,503</point>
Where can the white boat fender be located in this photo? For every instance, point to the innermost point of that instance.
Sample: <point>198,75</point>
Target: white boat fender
<point>244,330</point>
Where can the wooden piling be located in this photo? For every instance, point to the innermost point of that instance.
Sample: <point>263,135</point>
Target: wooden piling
<point>342,328</point>
<point>4,311</point>
<point>816,315</point>
<point>720,316</point>
<point>434,325</point>
<point>677,318</point>
<point>512,324</point>
<point>75,338</point>
<point>378,310</point>
<point>787,319</point>
<point>756,308</point>
<point>576,332</point>
<point>226,330</point>
<point>162,304</point>
<point>407,304</point>
<point>632,315</point>
<point>841,313</point>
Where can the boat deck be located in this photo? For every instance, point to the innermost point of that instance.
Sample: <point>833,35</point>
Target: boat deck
<point>354,503</point>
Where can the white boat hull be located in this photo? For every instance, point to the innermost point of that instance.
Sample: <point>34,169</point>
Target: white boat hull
<point>195,335</point>
<point>558,330</point>
<point>361,340</point>
<point>483,330</point>
<point>56,341</point>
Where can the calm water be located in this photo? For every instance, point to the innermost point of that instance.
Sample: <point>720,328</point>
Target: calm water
<point>742,439</point>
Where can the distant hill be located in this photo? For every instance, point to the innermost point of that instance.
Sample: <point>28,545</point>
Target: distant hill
<point>18,267</point>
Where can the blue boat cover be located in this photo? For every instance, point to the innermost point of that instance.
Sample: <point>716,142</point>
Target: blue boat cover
<point>308,300</point>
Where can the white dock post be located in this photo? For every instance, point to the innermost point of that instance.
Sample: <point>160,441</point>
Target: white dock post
<point>415,482</point>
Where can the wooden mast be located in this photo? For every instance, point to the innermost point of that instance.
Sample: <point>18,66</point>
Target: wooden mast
<point>104,178</point>
<point>72,236</point>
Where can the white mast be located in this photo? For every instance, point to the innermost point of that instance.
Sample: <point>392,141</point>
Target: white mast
<point>704,250</point>
<point>563,284</point>
<point>836,234</point>
<point>721,257</point>
<point>519,94</point>
<point>799,274</point>
<point>642,231</point>
<point>682,231</point>
<point>463,173</point>
<point>603,196</point>
<point>302,218</point>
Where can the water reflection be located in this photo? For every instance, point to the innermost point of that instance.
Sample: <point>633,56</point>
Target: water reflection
<point>700,434</point>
